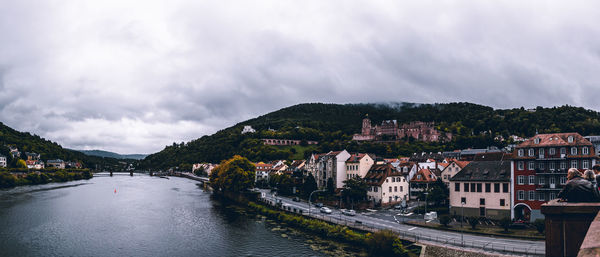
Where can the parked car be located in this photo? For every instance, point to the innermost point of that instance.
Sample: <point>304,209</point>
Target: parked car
<point>397,206</point>
<point>348,212</point>
<point>319,205</point>
<point>326,210</point>
<point>296,199</point>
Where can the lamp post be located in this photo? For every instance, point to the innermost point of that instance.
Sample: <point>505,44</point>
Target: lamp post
<point>426,193</point>
<point>309,204</point>
<point>462,217</point>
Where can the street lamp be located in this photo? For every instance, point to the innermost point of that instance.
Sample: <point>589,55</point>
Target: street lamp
<point>426,193</point>
<point>462,217</point>
<point>309,205</point>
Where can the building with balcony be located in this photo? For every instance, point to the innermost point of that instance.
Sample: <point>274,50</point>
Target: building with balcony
<point>539,170</point>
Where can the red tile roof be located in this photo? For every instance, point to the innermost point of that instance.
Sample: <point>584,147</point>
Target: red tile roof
<point>425,176</point>
<point>379,172</point>
<point>557,139</point>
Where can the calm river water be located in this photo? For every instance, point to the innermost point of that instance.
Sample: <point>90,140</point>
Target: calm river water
<point>139,216</point>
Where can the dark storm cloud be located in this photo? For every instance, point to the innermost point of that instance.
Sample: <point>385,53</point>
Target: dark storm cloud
<point>133,76</point>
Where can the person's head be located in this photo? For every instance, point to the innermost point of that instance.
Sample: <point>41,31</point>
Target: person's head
<point>573,173</point>
<point>589,175</point>
<point>596,168</point>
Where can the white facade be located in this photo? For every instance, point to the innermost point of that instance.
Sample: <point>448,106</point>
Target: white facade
<point>331,165</point>
<point>492,201</point>
<point>359,168</point>
<point>452,169</point>
<point>3,161</point>
<point>340,168</point>
<point>248,129</point>
<point>394,189</point>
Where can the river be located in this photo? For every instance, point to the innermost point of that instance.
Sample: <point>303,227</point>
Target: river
<point>139,216</point>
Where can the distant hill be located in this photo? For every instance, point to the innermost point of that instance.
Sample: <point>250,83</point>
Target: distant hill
<point>102,153</point>
<point>333,125</point>
<point>26,142</point>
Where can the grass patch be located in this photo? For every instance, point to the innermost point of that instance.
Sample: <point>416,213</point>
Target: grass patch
<point>298,152</point>
<point>482,230</point>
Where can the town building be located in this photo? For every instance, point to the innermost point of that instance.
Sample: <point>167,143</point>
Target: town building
<point>35,164</point>
<point>262,170</point>
<point>539,170</point>
<point>452,169</point>
<point>422,180</point>
<point>287,142</point>
<point>207,167</point>
<point>390,130</point>
<point>58,163</point>
<point>482,189</point>
<point>331,165</point>
<point>422,131</point>
<point>386,185</point>
<point>358,165</point>
<point>32,156</point>
<point>595,140</point>
<point>297,167</point>
<point>3,163</point>
<point>14,152</point>
<point>248,129</point>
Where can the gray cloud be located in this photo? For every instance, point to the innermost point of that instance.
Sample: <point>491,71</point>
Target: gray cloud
<point>133,76</point>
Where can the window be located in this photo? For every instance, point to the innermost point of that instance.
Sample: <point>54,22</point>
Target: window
<point>541,152</point>
<point>482,211</point>
<point>395,189</point>
<point>585,164</point>
<point>536,141</point>
<point>390,200</point>
<point>551,151</point>
<point>505,188</point>
<point>478,187</point>
<point>531,152</point>
<point>542,166</point>
<point>541,180</point>
<point>473,187</point>
<point>570,139</point>
<point>552,166</point>
<point>456,187</point>
<point>563,180</point>
<point>530,165</point>
<point>552,180</point>
<point>496,187</point>
<point>375,189</point>
<point>520,165</point>
<point>585,150</point>
<point>390,189</point>
<point>563,165</point>
<point>502,202</point>
<point>552,196</point>
<point>488,187</point>
<point>400,188</point>
<point>532,195</point>
<point>466,187</point>
<point>563,150</point>
<point>574,164</point>
<point>521,180</point>
<point>521,195</point>
<point>463,200</point>
<point>521,152</point>
<point>481,201</point>
<point>573,150</point>
<point>541,197</point>
<point>418,176</point>
<point>531,179</point>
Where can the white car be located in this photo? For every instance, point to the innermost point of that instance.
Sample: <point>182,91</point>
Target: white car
<point>349,212</point>
<point>325,210</point>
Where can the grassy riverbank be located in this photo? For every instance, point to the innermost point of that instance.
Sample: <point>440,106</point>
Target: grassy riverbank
<point>9,179</point>
<point>383,243</point>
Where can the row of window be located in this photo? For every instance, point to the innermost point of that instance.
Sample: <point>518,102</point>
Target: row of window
<point>541,180</point>
<point>463,200</point>
<point>351,167</point>
<point>477,187</point>
<point>395,189</point>
<point>552,151</point>
<point>396,179</point>
<point>585,164</point>
<point>531,196</point>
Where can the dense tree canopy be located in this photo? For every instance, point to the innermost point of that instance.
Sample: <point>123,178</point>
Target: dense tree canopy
<point>233,175</point>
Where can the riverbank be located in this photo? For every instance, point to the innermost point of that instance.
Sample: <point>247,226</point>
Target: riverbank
<point>10,179</point>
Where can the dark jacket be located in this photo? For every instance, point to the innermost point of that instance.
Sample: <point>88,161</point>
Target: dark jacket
<point>579,190</point>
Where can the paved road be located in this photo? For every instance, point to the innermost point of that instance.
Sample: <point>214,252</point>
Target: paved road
<point>439,237</point>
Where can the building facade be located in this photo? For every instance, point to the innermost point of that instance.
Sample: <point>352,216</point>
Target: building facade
<point>452,169</point>
<point>481,189</point>
<point>358,165</point>
<point>539,170</point>
<point>386,185</point>
<point>3,163</point>
<point>287,142</point>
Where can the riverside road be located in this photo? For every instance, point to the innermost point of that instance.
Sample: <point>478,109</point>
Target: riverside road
<point>473,242</point>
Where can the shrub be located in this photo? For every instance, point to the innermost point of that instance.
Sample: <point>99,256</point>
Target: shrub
<point>445,220</point>
<point>473,221</point>
<point>505,223</point>
<point>540,225</point>
<point>385,243</point>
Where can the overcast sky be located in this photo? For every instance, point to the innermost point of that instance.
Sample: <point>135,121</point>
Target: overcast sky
<point>135,76</point>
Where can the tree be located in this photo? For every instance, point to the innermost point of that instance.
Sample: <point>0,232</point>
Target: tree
<point>505,223</point>
<point>438,193</point>
<point>473,221</point>
<point>355,189</point>
<point>309,185</point>
<point>330,186</point>
<point>21,164</point>
<point>200,171</point>
<point>385,243</point>
<point>234,175</point>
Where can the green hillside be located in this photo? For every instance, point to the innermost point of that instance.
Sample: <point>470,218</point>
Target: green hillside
<point>48,150</point>
<point>333,125</point>
<point>101,153</point>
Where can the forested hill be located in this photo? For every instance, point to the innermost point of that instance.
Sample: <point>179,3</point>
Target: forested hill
<point>48,150</point>
<point>102,153</point>
<point>333,125</point>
